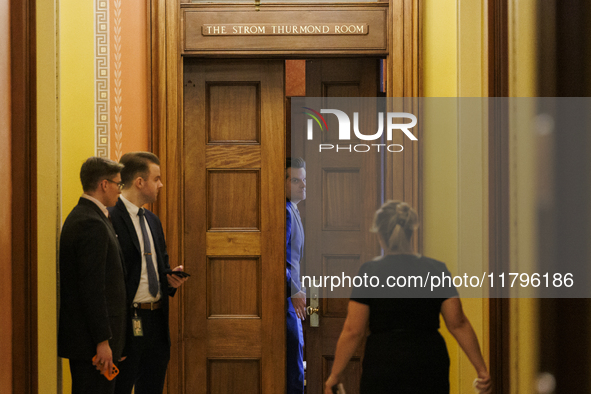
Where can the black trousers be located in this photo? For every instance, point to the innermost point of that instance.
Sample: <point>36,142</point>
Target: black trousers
<point>87,380</point>
<point>147,356</point>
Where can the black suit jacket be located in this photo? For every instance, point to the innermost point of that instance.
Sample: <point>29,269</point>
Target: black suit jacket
<point>130,246</point>
<point>92,285</point>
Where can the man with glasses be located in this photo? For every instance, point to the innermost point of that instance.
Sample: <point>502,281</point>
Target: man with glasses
<point>148,284</point>
<point>92,286</point>
<point>119,184</point>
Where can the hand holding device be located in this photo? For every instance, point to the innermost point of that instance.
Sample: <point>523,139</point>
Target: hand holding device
<point>108,373</point>
<point>181,274</point>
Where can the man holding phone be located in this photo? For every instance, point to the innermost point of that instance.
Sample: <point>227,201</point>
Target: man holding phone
<point>149,279</point>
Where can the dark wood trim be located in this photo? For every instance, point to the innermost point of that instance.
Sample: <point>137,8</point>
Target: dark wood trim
<point>564,67</point>
<point>420,239</point>
<point>166,137</point>
<point>573,48</point>
<point>418,29</point>
<point>498,213</point>
<point>546,53</point>
<point>167,131</point>
<point>418,7</point>
<point>405,54</point>
<point>149,61</point>
<point>498,49</point>
<point>373,44</point>
<point>157,58</point>
<point>498,143</point>
<point>157,97</point>
<point>6,216</point>
<point>24,197</point>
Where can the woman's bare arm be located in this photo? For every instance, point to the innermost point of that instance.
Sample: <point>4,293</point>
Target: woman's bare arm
<point>459,326</point>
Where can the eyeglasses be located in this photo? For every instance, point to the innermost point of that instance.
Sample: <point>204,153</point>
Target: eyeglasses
<point>119,184</point>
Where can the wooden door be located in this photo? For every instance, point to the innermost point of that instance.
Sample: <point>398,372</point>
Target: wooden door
<point>233,320</point>
<point>344,190</point>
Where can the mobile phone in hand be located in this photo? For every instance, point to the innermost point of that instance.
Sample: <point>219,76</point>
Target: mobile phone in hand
<point>338,389</point>
<point>108,374</point>
<point>182,274</point>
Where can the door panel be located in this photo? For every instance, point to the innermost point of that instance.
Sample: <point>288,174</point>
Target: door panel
<point>344,189</point>
<point>233,316</point>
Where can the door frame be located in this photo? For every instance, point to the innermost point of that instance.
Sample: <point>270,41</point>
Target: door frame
<point>498,178</point>
<point>19,318</point>
<point>166,70</point>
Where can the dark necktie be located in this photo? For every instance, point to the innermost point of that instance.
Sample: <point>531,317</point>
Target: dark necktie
<point>152,279</point>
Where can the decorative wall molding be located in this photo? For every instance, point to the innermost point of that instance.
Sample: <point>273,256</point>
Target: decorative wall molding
<point>117,72</point>
<point>101,78</point>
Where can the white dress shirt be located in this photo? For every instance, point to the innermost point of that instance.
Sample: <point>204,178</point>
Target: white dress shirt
<point>143,293</point>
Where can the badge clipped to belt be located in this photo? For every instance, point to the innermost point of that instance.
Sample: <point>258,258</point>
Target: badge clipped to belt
<point>136,324</point>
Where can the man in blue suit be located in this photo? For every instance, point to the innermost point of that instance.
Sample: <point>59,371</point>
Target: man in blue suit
<point>295,191</point>
<point>148,286</point>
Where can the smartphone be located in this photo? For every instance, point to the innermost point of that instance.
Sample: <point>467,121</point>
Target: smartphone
<point>182,274</point>
<point>338,389</point>
<point>108,374</point>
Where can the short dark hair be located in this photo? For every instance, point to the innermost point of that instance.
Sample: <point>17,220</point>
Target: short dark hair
<point>296,162</point>
<point>95,169</point>
<point>136,164</point>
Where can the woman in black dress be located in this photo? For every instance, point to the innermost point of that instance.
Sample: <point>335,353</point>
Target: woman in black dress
<point>404,352</point>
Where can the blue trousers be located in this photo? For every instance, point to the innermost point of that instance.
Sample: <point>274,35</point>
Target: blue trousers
<point>295,351</point>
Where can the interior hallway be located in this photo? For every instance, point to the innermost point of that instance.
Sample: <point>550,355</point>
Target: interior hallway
<point>485,197</point>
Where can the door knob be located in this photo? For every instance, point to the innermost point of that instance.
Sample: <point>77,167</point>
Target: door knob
<point>314,307</point>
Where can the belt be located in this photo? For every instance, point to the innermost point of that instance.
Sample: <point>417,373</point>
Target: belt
<point>148,305</point>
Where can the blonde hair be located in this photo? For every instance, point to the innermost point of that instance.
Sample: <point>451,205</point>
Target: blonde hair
<point>395,222</point>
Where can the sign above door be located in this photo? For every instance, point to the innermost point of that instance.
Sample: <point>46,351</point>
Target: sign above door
<point>285,30</point>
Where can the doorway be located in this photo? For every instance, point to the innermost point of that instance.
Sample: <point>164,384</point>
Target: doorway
<point>234,137</point>
<point>344,190</point>
<point>219,121</point>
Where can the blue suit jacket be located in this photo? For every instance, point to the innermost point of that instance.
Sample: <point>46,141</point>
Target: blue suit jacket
<point>294,248</point>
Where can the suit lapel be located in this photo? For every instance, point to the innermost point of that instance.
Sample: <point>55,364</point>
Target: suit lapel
<point>129,224</point>
<point>299,227</point>
<point>152,227</point>
<point>109,225</point>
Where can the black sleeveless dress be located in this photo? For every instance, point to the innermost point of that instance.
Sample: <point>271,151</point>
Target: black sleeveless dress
<point>405,352</point>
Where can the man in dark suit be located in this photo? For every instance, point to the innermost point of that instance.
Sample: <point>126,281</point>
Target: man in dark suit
<point>295,191</point>
<point>148,286</point>
<point>93,303</point>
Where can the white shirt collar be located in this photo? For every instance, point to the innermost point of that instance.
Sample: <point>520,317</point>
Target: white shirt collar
<point>97,202</point>
<point>131,207</point>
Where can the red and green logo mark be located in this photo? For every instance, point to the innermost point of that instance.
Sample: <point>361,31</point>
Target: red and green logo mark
<point>315,115</point>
